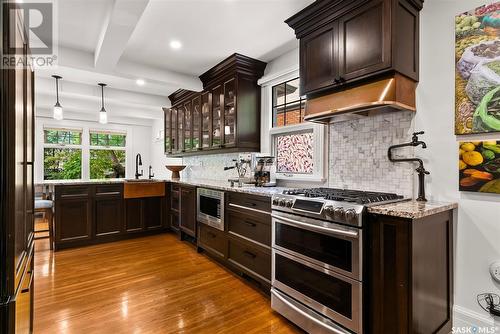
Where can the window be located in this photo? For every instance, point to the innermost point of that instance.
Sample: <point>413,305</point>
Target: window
<point>107,155</point>
<point>62,154</point>
<point>299,147</point>
<point>288,106</point>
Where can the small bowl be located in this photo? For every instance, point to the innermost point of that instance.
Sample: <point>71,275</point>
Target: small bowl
<point>175,169</point>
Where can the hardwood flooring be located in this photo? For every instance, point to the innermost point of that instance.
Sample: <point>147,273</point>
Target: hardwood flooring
<point>149,285</point>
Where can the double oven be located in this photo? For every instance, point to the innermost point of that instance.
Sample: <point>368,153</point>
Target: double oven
<point>317,271</point>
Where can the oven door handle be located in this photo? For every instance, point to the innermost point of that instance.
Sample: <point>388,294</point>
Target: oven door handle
<point>305,314</point>
<point>315,228</point>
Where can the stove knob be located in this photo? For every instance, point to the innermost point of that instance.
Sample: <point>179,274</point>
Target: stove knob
<point>275,201</point>
<point>338,213</point>
<point>289,203</point>
<point>328,210</point>
<point>282,202</point>
<point>351,216</point>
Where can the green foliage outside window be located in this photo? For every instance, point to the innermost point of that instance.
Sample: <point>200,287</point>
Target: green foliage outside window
<point>107,139</point>
<point>107,164</point>
<point>62,163</point>
<point>65,137</point>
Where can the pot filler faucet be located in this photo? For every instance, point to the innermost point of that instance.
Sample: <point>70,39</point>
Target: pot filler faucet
<point>420,170</point>
<point>138,162</point>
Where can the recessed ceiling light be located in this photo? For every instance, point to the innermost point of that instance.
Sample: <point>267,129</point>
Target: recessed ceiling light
<point>176,45</point>
<point>140,82</point>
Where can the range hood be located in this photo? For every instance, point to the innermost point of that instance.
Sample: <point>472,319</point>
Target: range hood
<point>389,94</point>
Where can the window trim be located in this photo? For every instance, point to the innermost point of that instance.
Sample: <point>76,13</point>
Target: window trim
<point>268,133</point>
<point>319,150</point>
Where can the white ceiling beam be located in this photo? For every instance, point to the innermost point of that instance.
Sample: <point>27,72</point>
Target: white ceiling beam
<point>78,116</point>
<point>116,31</point>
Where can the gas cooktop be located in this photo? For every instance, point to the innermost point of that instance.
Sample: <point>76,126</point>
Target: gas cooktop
<point>330,204</point>
<point>355,196</point>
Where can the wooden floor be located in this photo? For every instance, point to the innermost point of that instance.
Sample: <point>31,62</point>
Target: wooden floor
<point>148,285</point>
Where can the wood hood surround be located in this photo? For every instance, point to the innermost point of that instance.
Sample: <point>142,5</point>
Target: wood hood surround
<point>357,56</point>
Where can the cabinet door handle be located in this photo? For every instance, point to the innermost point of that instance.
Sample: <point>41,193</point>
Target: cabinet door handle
<point>251,204</point>
<point>250,223</point>
<point>249,254</point>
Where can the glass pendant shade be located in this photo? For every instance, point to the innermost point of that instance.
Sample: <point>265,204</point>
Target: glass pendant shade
<point>58,112</point>
<point>103,115</point>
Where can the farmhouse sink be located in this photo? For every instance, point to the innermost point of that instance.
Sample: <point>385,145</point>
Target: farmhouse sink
<point>142,180</point>
<point>143,188</point>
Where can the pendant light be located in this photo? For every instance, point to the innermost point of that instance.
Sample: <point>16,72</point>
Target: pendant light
<point>103,115</point>
<point>58,110</point>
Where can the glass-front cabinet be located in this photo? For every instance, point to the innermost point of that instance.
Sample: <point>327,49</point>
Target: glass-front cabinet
<point>206,122</point>
<point>188,139</point>
<point>216,116</point>
<point>196,116</point>
<point>229,113</point>
<point>225,116</point>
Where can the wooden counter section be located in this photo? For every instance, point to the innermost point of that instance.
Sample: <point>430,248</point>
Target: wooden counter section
<point>143,189</point>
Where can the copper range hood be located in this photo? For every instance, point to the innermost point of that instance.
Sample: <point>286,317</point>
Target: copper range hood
<point>389,94</point>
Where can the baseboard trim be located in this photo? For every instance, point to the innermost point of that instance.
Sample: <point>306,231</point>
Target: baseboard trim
<point>463,317</point>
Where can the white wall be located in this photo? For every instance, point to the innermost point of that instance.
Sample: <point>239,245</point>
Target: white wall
<point>478,225</point>
<point>138,141</point>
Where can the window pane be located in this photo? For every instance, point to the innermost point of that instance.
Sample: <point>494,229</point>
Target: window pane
<point>105,164</point>
<point>66,137</point>
<point>278,94</point>
<point>107,139</point>
<point>295,153</point>
<point>292,91</point>
<point>293,113</point>
<point>62,163</point>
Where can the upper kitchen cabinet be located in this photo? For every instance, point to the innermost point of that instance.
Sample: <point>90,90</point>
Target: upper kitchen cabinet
<point>342,42</point>
<point>225,117</point>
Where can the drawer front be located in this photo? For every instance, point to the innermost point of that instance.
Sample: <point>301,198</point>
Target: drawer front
<point>254,227</point>
<point>72,191</point>
<point>254,259</point>
<point>109,190</point>
<point>249,202</point>
<point>212,240</point>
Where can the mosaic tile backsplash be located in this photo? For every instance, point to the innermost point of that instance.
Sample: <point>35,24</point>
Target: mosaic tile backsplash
<point>357,156</point>
<point>358,153</point>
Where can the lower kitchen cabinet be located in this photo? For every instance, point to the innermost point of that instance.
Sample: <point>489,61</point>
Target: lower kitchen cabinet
<point>212,240</point>
<point>96,213</point>
<point>73,215</point>
<point>251,259</point>
<point>410,272</point>
<point>188,210</point>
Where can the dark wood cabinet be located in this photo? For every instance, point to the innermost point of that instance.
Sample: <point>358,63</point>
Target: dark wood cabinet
<point>16,174</point>
<point>108,211</point>
<point>96,213</point>
<point>73,213</point>
<point>188,210</point>
<point>133,215</point>
<point>410,274</point>
<point>224,117</point>
<point>343,42</point>
<point>213,241</point>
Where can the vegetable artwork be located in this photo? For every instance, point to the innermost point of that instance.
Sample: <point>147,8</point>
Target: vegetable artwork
<point>477,79</point>
<point>479,166</point>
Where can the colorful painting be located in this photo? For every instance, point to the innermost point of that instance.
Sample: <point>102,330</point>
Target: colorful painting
<point>479,165</point>
<point>477,72</point>
<point>294,153</point>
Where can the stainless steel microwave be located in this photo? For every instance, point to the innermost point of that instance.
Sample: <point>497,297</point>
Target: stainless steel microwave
<point>210,207</point>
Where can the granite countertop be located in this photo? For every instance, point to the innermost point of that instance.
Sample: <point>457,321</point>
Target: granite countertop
<point>224,185</point>
<point>412,209</point>
<point>213,184</point>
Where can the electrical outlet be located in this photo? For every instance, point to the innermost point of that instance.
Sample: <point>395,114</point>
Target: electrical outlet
<point>495,271</point>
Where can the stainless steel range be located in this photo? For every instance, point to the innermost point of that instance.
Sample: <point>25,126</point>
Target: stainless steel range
<point>317,257</point>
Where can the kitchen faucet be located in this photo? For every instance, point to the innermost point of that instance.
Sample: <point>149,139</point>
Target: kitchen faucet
<point>138,162</point>
<point>420,169</point>
<point>150,173</point>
